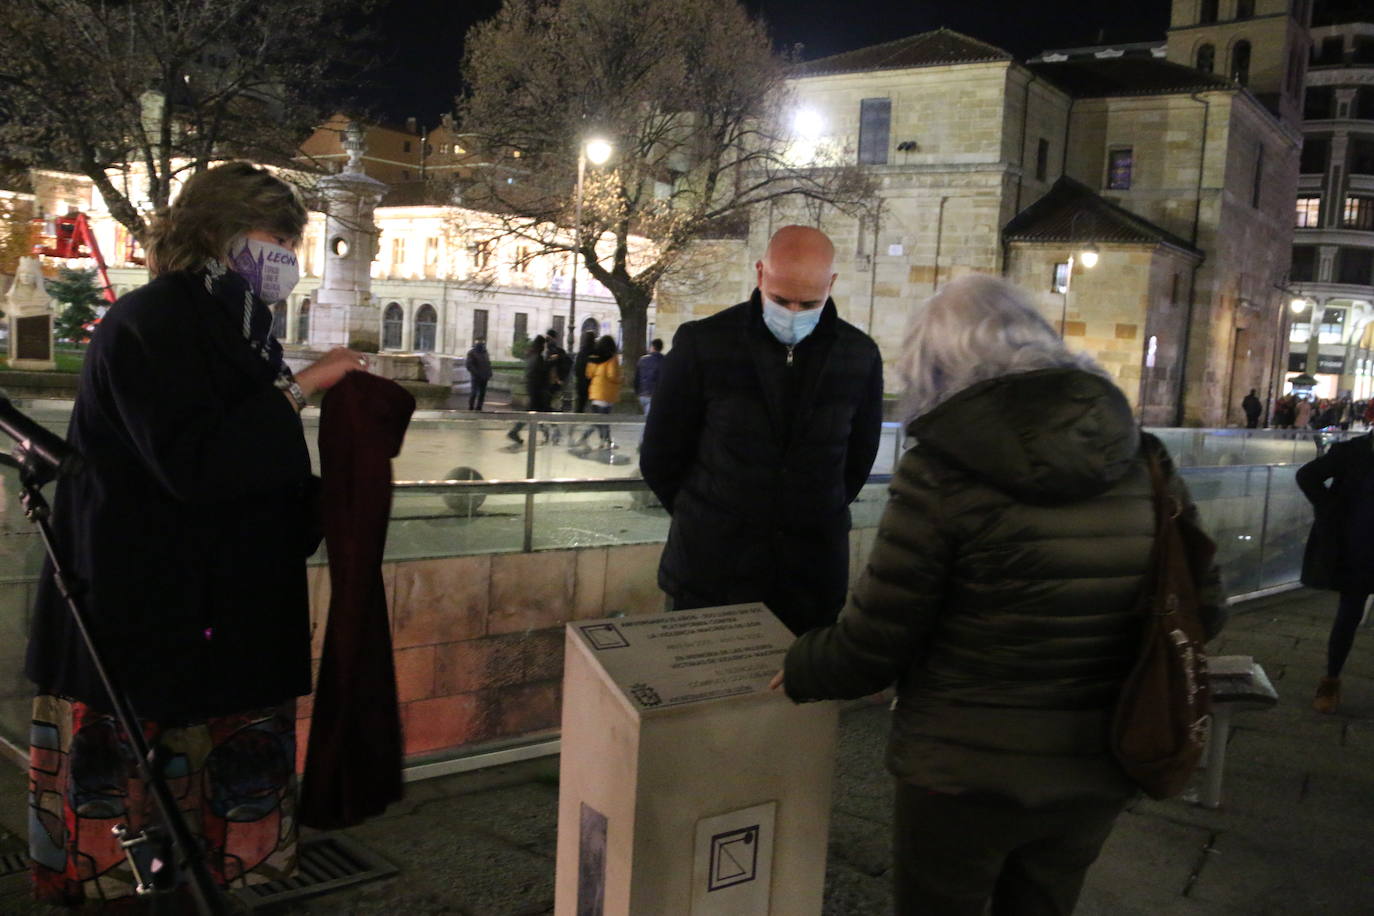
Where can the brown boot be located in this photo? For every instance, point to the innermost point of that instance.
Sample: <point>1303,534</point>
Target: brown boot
<point>1328,695</point>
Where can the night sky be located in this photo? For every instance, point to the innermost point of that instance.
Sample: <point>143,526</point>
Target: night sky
<point>422,39</point>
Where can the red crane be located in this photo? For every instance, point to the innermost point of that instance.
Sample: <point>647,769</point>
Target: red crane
<point>72,238</point>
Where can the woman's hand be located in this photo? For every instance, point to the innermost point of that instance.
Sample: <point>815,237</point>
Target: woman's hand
<point>776,683</point>
<point>327,371</point>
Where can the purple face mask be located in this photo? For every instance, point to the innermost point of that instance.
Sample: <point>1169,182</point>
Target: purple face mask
<point>271,270</point>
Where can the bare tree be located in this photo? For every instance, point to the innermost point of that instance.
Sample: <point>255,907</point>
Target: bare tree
<point>134,93</point>
<point>690,94</point>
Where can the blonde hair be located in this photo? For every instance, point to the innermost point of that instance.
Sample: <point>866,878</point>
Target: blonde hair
<point>976,328</point>
<point>215,207</point>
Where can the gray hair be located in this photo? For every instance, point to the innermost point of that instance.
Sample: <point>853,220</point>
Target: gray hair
<point>975,328</point>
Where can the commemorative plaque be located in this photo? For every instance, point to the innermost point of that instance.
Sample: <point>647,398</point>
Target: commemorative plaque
<point>689,656</point>
<point>711,792</point>
<point>33,338</point>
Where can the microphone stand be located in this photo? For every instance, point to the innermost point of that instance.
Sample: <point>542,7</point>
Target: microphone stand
<point>172,837</point>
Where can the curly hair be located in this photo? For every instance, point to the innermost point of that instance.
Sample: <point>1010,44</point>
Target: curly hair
<point>215,207</point>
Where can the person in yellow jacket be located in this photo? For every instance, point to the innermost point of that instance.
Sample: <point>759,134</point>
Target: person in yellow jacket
<point>603,375</point>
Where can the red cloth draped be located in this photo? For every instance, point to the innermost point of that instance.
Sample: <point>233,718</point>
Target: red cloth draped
<point>354,755</point>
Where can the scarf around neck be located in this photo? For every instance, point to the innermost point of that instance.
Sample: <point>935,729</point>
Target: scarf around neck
<point>249,314</point>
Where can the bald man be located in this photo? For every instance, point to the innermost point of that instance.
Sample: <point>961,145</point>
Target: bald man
<point>765,424</point>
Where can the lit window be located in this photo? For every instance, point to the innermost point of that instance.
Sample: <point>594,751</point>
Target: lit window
<point>1309,212</point>
<point>1119,165</point>
<point>1359,213</point>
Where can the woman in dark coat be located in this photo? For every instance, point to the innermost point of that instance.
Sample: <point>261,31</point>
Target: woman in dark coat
<point>537,386</point>
<point>188,532</point>
<point>1340,550</point>
<point>584,353</point>
<point>1002,598</point>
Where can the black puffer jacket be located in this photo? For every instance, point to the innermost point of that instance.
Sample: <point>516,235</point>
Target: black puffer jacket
<point>757,454</point>
<point>1002,595</point>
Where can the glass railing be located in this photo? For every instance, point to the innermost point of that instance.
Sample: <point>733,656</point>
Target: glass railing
<point>465,487</point>
<point>1229,447</point>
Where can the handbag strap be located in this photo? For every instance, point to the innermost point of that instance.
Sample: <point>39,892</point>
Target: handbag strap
<point>1167,510</point>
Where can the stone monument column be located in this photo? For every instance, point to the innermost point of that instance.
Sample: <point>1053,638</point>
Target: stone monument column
<point>343,312</point>
<point>29,310</point>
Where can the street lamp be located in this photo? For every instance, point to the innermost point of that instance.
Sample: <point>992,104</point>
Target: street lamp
<point>598,150</point>
<point>808,124</point>
<point>1087,256</point>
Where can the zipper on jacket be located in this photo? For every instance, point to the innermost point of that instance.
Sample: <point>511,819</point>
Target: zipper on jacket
<point>789,354</point>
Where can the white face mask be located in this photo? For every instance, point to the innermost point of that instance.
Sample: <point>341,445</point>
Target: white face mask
<point>271,270</point>
<point>789,327</point>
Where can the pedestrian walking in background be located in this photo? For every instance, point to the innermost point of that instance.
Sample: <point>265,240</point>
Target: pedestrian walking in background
<point>603,377</point>
<point>584,353</point>
<point>1284,412</point>
<point>1252,407</point>
<point>1003,599</point>
<point>646,374</point>
<point>560,365</point>
<point>188,533</point>
<point>537,387</point>
<point>1302,414</point>
<point>478,364</point>
<point>1340,548</point>
<point>765,422</point>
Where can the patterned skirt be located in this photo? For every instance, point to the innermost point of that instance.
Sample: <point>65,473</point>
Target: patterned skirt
<point>234,778</point>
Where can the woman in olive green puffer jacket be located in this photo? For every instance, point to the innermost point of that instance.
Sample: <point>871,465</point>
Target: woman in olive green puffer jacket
<point>1002,597</point>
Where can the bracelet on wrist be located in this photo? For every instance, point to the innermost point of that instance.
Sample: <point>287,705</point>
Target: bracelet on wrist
<point>293,388</point>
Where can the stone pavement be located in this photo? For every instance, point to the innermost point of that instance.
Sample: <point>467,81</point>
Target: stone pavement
<point>1291,838</point>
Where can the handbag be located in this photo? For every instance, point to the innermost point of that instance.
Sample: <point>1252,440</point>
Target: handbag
<point>1163,714</point>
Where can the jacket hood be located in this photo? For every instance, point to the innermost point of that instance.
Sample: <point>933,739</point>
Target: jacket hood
<point>1045,436</point>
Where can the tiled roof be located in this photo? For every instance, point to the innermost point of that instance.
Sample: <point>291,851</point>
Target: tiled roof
<point>928,49</point>
<point>1072,212</point>
<point>1098,77</point>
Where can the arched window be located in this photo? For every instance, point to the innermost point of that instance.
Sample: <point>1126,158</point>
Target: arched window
<point>1207,58</point>
<point>1207,13</point>
<point>393,319</point>
<point>1240,63</point>
<point>279,320</point>
<point>426,321</point>
<point>591,324</point>
<point>303,321</point>
<point>1245,9</point>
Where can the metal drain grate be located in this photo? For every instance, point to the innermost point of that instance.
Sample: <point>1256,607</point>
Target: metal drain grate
<point>327,863</point>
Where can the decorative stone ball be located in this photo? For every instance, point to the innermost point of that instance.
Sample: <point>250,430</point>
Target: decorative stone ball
<point>465,504</point>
